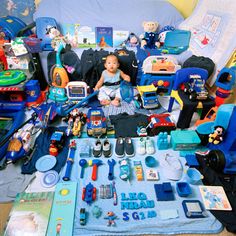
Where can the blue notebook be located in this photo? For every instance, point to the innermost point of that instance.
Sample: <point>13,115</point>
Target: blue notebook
<point>61,220</point>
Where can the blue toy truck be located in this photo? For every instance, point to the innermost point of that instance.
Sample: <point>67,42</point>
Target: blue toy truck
<point>148,95</point>
<point>96,122</point>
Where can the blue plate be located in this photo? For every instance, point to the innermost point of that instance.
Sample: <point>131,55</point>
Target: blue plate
<point>45,163</point>
<point>49,179</point>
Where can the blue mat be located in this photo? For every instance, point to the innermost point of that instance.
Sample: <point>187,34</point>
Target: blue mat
<point>145,225</point>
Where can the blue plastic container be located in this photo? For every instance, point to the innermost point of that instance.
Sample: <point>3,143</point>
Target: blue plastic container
<point>183,189</point>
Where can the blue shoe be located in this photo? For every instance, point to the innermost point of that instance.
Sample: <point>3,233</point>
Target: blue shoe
<point>120,147</point>
<point>129,147</point>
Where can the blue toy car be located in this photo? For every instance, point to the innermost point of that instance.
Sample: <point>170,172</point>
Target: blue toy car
<point>196,88</point>
<point>96,122</point>
<point>82,216</point>
<point>89,193</point>
<point>57,142</point>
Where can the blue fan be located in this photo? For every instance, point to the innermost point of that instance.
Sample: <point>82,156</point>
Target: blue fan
<point>126,91</point>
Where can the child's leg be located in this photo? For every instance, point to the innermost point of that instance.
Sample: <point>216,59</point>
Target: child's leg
<point>103,96</point>
<point>117,99</point>
<point>116,102</point>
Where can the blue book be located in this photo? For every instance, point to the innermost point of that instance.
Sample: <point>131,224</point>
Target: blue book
<point>119,37</point>
<point>63,209</point>
<point>79,36</point>
<point>104,37</point>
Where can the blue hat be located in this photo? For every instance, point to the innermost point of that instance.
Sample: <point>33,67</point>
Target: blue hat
<point>172,167</point>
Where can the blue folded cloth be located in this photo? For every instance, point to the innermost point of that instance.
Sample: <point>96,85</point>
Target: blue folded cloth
<point>136,221</point>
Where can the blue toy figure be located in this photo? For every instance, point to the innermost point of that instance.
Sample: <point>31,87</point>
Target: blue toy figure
<point>111,218</point>
<point>132,40</point>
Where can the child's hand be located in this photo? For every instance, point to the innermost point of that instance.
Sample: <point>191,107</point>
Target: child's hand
<point>126,78</point>
<point>96,88</point>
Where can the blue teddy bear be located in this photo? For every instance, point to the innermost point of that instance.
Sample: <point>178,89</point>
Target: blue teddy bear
<point>150,37</point>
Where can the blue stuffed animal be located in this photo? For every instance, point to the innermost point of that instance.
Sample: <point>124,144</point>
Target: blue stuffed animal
<point>150,37</point>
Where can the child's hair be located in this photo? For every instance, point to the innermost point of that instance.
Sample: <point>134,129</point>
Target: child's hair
<point>112,55</point>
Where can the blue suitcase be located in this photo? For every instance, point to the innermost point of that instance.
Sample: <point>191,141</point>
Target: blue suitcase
<point>11,26</point>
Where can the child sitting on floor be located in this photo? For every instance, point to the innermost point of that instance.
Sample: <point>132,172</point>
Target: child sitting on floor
<point>109,83</point>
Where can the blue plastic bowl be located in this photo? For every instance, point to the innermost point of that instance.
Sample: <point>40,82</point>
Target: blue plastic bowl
<point>193,176</point>
<point>183,189</point>
<point>150,161</point>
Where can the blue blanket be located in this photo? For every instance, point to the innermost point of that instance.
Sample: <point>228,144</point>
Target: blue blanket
<point>119,14</point>
<point>144,225</point>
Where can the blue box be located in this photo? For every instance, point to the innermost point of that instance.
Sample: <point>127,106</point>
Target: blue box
<point>184,139</point>
<point>176,42</point>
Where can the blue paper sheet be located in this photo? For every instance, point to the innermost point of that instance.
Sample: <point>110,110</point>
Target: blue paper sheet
<point>144,225</point>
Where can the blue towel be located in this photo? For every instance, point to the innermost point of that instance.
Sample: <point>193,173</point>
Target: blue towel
<point>147,225</point>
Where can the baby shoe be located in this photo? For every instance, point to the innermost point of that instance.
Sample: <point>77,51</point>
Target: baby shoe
<point>97,148</point>
<point>106,148</point>
<point>141,146</point>
<point>129,147</point>
<point>120,148</point>
<point>150,149</point>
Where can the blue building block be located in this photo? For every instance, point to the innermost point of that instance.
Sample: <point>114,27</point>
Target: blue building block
<point>162,141</point>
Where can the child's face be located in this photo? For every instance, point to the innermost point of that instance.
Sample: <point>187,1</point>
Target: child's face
<point>111,64</point>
